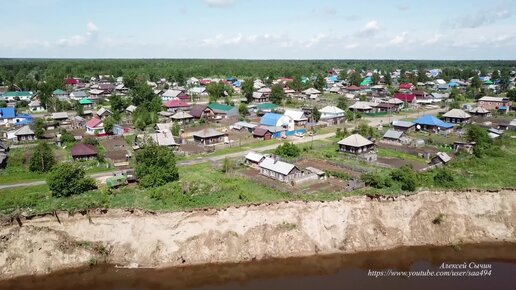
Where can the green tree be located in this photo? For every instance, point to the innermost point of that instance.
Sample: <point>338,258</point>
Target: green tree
<point>342,104</point>
<point>118,105</point>
<point>142,94</point>
<point>277,94</point>
<point>242,109</point>
<point>455,105</point>
<point>3,104</point>
<point>375,180</point>
<point>109,123</point>
<point>67,137</point>
<point>495,75</point>
<point>355,78</point>
<point>66,179</point>
<point>512,95</point>
<point>343,75</point>
<point>155,165</point>
<point>482,141</point>
<point>216,90</point>
<point>387,78</point>
<point>319,82</point>
<point>476,82</point>
<point>42,159</point>
<point>406,177</point>
<point>287,149</point>
<point>79,109</point>
<point>176,130</point>
<point>38,125</point>
<point>247,90</point>
<point>316,114</point>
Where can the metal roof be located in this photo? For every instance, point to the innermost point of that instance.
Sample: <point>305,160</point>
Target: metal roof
<point>277,166</point>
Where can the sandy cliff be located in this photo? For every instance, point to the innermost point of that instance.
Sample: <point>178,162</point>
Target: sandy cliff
<point>43,245</point>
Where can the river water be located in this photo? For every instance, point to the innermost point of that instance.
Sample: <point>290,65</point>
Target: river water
<point>350,271</point>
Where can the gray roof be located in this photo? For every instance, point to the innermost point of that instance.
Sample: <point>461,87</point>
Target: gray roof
<point>255,157</point>
<point>245,125</point>
<point>161,138</point>
<point>25,130</point>
<point>207,133</point>
<point>277,166</point>
<point>131,108</point>
<point>355,140</point>
<point>257,95</point>
<point>393,134</point>
<point>181,115</point>
<point>60,115</point>
<point>443,156</point>
<point>457,113</point>
<point>404,124</point>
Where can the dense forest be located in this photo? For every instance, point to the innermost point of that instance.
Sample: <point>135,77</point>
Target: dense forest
<point>27,72</point>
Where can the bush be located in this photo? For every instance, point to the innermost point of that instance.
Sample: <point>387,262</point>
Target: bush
<point>406,177</point>
<point>376,180</point>
<point>288,149</point>
<point>444,178</point>
<point>155,166</point>
<point>67,179</point>
<point>43,159</point>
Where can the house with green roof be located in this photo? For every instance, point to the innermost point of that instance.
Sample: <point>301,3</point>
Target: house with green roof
<point>223,111</point>
<point>87,103</point>
<point>61,95</point>
<point>22,96</point>
<point>266,107</point>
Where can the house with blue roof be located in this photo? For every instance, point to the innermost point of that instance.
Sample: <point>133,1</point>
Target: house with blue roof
<point>431,123</point>
<point>8,117</point>
<point>277,120</point>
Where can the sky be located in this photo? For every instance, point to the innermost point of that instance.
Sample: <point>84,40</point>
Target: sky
<point>259,29</point>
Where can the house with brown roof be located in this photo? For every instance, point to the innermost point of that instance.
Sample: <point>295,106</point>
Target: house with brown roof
<point>83,151</point>
<point>176,105</point>
<point>202,111</point>
<point>209,136</point>
<point>262,133</point>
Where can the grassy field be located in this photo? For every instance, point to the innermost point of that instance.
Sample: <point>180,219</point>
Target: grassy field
<point>382,152</point>
<point>17,170</point>
<point>202,186</point>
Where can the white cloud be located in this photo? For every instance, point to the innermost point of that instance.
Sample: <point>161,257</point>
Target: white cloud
<point>434,39</point>
<point>351,45</point>
<point>370,29</point>
<point>315,40</point>
<point>399,39</point>
<point>480,18</point>
<point>218,3</point>
<point>80,40</point>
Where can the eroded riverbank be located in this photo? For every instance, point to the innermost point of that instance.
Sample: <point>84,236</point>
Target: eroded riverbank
<point>234,235</point>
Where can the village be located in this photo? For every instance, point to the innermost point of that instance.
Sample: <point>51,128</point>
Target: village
<point>337,132</point>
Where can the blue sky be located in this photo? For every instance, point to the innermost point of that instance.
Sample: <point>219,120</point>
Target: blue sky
<point>259,29</point>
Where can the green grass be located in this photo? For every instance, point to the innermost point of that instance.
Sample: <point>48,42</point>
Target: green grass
<point>382,152</point>
<point>202,186</point>
<point>237,148</point>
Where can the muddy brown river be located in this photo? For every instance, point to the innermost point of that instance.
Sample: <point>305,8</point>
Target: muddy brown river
<point>486,266</point>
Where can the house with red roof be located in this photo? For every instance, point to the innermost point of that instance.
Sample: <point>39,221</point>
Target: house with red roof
<point>95,126</point>
<point>353,88</point>
<point>176,105</point>
<point>406,86</point>
<point>406,98</point>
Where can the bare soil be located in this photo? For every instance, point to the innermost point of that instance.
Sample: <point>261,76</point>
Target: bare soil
<point>254,232</point>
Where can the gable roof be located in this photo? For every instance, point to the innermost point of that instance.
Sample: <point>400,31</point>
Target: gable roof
<point>260,131</point>
<point>78,94</point>
<point>220,108</point>
<point>59,92</point>
<point>355,140</point>
<point>266,106</point>
<point>255,157</point>
<point>277,166</point>
<point>94,122</point>
<point>457,113</point>
<point>393,134</point>
<point>479,110</point>
<point>403,124</point>
<point>7,113</point>
<point>59,115</point>
<point>296,115</point>
<point>331,110</point>
<point>429,120</point>
<point>175,104</point>
<point>81,149</point>
<point>311,91</point>
<point>85,101</point>
<point>172,93</point>
<point>361,106</point>
<point>443,156</point>
<point>103,111</point>
<point>405,97</point>
<point>197,110</point>
<point>493,99</point>
<point>270,119</point>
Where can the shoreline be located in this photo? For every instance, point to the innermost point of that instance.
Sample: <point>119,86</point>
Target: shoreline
<point>255,232</point>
